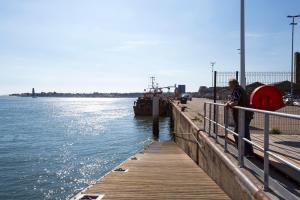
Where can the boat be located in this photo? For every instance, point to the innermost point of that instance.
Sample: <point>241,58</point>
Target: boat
<point>143,105</point>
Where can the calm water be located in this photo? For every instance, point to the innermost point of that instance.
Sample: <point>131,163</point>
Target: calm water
<point>51,148</point>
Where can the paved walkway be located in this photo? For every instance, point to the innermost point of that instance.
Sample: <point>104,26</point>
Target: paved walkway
<point>162,171</point>
<point>286,146</point>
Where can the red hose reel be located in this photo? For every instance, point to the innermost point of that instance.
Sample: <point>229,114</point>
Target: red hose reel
<point>266,97</point>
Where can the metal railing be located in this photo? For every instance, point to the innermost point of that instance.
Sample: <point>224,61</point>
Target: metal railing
<point>241,131</point>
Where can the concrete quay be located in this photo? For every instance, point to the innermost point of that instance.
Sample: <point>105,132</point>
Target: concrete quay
<point>193,166</point>
<point>283,179</point>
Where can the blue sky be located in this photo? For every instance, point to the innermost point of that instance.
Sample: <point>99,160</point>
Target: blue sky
<point>115,45</point>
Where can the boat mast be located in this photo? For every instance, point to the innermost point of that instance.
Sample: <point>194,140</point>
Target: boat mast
<point>152,78</point>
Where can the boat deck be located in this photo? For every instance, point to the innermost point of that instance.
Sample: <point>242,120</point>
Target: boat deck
<point>161,171</point>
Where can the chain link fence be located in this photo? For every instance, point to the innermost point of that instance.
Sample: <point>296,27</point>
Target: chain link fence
<point>281,80</point>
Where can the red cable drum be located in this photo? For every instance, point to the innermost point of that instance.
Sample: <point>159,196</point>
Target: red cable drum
<point>266,97</point>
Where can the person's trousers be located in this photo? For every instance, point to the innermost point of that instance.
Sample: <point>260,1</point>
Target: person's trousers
<point>248,147</point>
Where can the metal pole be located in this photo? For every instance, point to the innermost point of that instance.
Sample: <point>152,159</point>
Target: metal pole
<point>217,121</point>
<point>266,154</point>
<point>215,86</point>
<point>212,73</point>
<point>155,116</point>
<point>204,119</point>
<point>209,122</point>
<point>226,127</point>
<point>241,133</point>
<point>292,61</point>
<point>215,98</point>
<point>242,59</point>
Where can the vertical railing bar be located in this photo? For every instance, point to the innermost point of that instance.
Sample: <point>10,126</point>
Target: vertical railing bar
<point>217,121</point>
<point>241,131</point>
<point>266,154</point>
<point>209,122</point>
<point>204,120</point>
<point>226,127</point>
<point>215,100</point>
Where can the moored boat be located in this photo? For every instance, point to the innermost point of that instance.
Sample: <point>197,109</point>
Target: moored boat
<point>143,105</point>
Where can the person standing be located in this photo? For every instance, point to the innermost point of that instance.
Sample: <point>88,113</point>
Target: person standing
<point>239,97</point>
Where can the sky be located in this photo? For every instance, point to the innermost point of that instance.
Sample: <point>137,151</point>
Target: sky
<point>116,45</point>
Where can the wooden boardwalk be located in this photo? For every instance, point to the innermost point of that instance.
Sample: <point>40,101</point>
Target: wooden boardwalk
<point>162,171</point>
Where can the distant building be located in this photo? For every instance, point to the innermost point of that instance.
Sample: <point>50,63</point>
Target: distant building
<point>179,90</point>
<point>33,93</point>
<point>202,90</point>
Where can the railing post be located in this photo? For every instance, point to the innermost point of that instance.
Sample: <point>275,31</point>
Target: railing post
<point>215,100</point>
<point>266,154</point>
<point>241,133</point>
<point>204,119</point>
<point>226,127</point>
<point>209,122</point>
<point>217,121</point>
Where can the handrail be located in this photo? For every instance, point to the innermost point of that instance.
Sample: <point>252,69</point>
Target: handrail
<point>242,139</point>
<point>280,114</point>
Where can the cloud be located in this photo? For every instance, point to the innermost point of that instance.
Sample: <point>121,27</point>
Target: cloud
<point>261,35</point>
<point>135,44</point>
<point>255,35</point>
<point>171,72</point>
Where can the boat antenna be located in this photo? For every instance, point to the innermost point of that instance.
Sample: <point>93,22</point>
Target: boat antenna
<point>152,78</point>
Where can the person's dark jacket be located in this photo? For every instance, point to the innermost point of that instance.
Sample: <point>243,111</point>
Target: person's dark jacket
<point>240,95</point>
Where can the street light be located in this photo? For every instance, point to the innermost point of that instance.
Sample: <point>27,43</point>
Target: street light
<point>212,73</point>
<point>292,63</point>
<point>242,48</point>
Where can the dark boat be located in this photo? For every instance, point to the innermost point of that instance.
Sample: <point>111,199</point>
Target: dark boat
<point>143,105</point>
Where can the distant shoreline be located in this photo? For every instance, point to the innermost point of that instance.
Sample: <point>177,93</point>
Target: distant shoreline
<point>80,95</point>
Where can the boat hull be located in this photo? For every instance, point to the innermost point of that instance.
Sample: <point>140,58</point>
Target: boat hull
<point>143,107</point>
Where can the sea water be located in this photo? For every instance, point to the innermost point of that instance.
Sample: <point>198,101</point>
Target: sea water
<point>51,148</point>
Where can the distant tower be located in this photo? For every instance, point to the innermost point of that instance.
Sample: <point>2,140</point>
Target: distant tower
<point>33,93</point>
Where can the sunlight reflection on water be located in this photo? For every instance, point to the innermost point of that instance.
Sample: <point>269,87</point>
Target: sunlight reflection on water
<point>50,148</point>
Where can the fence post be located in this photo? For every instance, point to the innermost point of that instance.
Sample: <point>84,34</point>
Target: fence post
<point>216,124</point>
<point>266,152</point>
<point>215,86</point>
<point>215,98</point>
<point>241,132</point>
<point>209,122</point>
<point>204,119</point>
<point>226,127</point>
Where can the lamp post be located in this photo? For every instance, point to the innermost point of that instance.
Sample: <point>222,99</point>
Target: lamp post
<point>242,48</point>
<point>212,73</point>
<point>293,23</point>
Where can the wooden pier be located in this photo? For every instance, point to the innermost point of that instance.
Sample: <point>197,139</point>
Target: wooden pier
<point>161,171</point>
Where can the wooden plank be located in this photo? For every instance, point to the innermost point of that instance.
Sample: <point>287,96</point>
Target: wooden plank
<point>162,171</point>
